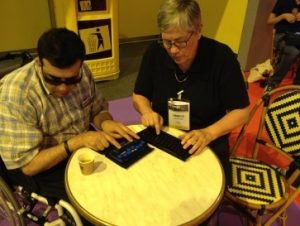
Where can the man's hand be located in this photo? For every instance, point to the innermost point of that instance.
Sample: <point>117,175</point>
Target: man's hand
<point>289,17</point>
<point>96,140</point>
<point>101,139</point>
<point>298,16</point>
<point>152,119</point>
<point>118,130</point>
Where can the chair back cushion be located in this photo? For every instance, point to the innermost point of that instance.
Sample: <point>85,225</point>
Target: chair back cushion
<point>283,122</point>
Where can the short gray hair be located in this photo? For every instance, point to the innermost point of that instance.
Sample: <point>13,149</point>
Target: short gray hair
<point>181,14</point>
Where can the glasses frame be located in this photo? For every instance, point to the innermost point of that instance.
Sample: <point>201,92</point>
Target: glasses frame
<point>56,81</point>
<point>167,44</point>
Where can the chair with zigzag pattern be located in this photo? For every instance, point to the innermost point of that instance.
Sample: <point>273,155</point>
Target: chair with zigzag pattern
<point>260,188</point>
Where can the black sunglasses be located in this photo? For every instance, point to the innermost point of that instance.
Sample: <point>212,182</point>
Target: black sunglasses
<point>56,81</point>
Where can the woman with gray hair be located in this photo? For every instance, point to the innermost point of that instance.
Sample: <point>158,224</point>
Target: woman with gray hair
<point>191,82</point>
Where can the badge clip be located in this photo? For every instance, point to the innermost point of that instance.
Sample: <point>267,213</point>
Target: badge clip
<point>179,94</point>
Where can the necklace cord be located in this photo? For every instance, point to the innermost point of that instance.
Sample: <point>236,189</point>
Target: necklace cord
<point>180,80</point>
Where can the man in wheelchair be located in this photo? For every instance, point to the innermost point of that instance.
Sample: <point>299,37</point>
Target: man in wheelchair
<point>46,108</point>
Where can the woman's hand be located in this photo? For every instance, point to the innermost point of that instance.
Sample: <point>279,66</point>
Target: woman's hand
<point>198,139</point>
<point>152,119</point>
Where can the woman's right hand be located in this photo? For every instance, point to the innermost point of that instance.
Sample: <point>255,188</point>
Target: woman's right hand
<point>152,119</point>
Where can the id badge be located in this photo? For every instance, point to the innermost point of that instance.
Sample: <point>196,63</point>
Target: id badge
<point>179,114</point>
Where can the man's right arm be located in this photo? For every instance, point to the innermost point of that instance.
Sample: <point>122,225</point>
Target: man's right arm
<point>45,160</point>
<point>48,158</point>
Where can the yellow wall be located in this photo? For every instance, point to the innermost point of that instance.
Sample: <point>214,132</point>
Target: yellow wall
<point>231,25</point>
<point>22,22</point>
<point>137,18</point>
<point>212,16</point>
<point>222,20</point>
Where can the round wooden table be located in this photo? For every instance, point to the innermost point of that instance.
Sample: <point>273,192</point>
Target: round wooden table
<point>159,189</point>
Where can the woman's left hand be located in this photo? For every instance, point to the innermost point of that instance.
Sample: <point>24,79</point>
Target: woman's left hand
<point>198,139</point>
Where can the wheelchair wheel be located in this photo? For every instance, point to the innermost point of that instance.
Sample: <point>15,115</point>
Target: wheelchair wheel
<point>9,206</point>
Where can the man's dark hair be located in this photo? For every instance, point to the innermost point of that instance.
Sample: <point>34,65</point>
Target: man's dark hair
<point>61,47</point>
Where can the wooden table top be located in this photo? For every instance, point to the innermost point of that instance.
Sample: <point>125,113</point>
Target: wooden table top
<point>159,189</point>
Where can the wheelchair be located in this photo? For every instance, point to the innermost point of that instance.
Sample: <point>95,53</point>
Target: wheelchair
<point>20,208</point>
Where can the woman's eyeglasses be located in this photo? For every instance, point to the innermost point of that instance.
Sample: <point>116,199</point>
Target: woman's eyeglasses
<point>179,44</point>
<point>56,81</point>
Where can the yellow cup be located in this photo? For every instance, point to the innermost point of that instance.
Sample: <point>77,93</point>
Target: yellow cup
<point>86,163</point>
